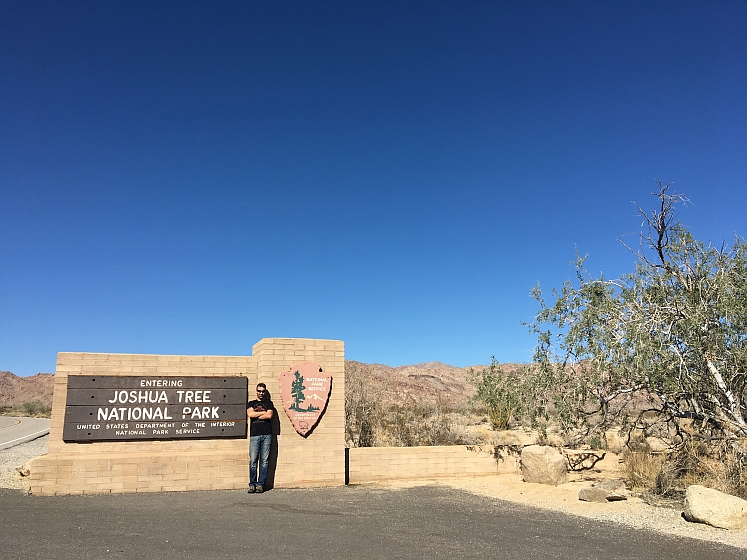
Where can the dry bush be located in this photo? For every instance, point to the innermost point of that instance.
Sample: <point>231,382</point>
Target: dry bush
<point>423,424</point>
<point>31,409</point>
<point>512,438</point>
<point>374,418</point>
<point>363,408</point>
<point>36,409</point>
<point>715,465</point>
<point>667,475</point>
<point>642,466</point>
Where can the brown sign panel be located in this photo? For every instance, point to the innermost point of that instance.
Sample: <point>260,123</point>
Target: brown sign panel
<point>114,408</point>
<point>305,390</point>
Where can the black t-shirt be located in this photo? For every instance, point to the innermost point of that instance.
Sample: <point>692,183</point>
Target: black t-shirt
<point>260,427</point>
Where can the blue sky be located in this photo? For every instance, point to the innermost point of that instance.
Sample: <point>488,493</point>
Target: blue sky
<point>189,177</point>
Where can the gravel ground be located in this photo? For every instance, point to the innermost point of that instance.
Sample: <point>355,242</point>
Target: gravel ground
<point>632,512</point>
<point>16,456</point>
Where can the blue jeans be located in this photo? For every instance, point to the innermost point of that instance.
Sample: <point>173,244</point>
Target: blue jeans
<point>259,452</point>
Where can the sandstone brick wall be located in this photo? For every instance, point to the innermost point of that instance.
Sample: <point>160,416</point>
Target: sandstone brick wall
<point>374,464</point>
<point>319,459</point>
<point>154,466</point>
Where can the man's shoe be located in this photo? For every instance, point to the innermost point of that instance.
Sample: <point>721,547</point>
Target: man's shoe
<point>259,490</point>
<point>252,490</point>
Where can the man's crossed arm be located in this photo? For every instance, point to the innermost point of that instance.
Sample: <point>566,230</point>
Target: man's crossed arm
<point>259,414</point>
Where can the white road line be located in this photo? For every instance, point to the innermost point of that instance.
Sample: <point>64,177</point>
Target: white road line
<point>24,437</point>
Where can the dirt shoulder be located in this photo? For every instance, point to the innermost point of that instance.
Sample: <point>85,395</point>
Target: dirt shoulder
<point>14,457</point>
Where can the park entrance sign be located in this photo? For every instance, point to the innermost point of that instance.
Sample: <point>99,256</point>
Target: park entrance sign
<point>128,408</point>
<point>165,423</point>
<point>305,390</point>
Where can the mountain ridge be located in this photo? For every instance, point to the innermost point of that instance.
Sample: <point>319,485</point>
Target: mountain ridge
<point>16,390</point>
<point>433,382</point>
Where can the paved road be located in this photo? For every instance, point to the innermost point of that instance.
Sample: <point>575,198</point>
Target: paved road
<point>347,522</point>
<point>17,430</point>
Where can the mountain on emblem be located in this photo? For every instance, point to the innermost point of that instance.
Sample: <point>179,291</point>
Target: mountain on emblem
<point>305,390</point>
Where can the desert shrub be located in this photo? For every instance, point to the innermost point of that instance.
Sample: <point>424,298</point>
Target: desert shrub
<point>596,441</point>
<point>642,468</point>
<point>499,390</point>
<point>35,409</point>
<point>373,419</point>
<point>667,475</point>
<point>713,464</point>
<point>641,465</point>
<point>421,424</point>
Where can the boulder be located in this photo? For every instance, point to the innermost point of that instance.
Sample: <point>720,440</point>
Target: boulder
<point>543,464</point>
<point>706,505</point>
<point>605,491</point>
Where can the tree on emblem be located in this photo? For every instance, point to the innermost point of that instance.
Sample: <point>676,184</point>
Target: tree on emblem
<point>297,388</point>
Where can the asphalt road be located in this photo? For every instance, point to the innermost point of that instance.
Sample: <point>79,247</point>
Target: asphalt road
<point>346,522</point>
<point>17,430</point>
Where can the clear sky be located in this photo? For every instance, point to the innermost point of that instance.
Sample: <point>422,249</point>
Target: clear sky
<point>189,177</point>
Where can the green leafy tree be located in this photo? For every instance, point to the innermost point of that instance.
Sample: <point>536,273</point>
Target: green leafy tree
<point>661,349</point>
<point>498,389</point>
<point>297,388</point>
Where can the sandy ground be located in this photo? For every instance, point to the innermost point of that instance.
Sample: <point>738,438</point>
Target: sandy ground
<point>632,512</point>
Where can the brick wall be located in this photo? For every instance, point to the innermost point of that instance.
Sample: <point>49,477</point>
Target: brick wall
<point>154,466</point>
<point>319,459</point>
<point>374,464</point>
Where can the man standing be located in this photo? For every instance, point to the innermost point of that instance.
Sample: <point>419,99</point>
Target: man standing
<point>260,413</point>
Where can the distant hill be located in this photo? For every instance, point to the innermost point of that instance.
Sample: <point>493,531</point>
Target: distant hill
<point>14,390</point>
<point>432,382</point>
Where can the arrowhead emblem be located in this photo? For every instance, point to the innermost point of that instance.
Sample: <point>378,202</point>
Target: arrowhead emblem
<point>305,390</point>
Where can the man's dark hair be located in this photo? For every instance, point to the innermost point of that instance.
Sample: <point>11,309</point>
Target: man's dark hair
<point>260,384</point>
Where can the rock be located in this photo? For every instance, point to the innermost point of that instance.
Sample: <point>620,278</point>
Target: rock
<point>709,506</point>
<point>592,495</point>
<point>615,489</point>
<point>543,464</point>
<point>605,491</point>
<point>25,469</point>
